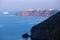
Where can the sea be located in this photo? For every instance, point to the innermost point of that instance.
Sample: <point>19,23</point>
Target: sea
<point>13,27</point>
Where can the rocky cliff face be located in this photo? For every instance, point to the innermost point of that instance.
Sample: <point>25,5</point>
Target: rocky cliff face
<point>46,30</point>
<point>36,12</point>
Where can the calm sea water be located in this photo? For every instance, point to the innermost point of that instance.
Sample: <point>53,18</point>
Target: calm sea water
<point>12,27</point>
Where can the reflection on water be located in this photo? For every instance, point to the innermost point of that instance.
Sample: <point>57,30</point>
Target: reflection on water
<point>12,27</point>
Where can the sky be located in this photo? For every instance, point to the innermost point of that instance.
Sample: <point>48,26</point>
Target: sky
<point>27,4</point>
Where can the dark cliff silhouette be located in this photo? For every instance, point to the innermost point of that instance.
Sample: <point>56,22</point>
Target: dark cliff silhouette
<point>46,30</point>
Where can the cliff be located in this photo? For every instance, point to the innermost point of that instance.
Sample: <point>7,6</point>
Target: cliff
<point>36,12</point>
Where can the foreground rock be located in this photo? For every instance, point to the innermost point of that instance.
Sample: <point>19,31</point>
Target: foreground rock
<point>46,30</point>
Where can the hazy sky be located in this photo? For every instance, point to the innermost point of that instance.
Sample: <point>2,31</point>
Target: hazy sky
<point>23,4</point>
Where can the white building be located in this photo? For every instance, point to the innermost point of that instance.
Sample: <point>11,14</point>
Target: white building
<point>5,13</point>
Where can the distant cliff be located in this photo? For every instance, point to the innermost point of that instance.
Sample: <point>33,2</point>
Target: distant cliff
<point>36,12</point>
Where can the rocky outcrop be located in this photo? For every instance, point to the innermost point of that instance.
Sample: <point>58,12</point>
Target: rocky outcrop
<point>46,30</point>
<point>36,12</point>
